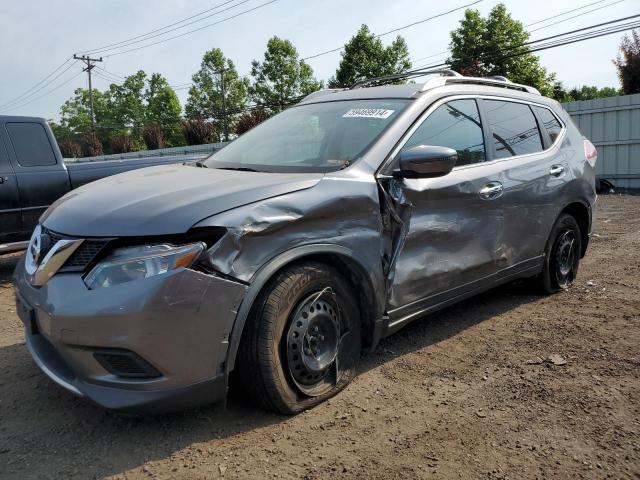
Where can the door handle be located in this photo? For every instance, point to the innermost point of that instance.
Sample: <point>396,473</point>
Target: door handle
<point>3,179</point>
<point>556,170</point>
<point>491,190</point>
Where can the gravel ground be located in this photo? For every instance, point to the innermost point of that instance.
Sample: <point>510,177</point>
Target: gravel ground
<point>506,385</point>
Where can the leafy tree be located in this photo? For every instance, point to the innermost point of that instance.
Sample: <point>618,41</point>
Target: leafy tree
<point>250,119</point>
<point>364,56</point>
<point>127,103</point>
<point>69,148</point>
<point>205,96</point>
<point>281,77</point>
<point>91,145</point>
<point>583,93</point>
<point>122,144</point>
<point>198,131</point>
<point>494,46</point>
<point>75,116</point>
<point>123,110</point>
<point>163,110</point>
<point>153,136</point>
<point>628,64</point>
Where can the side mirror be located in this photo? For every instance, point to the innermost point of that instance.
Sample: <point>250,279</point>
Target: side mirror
<point>427,161</point>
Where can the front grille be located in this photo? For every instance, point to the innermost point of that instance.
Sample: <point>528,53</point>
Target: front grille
<point>82,257</point>
<point>86,252</point>
<point>124,363</point>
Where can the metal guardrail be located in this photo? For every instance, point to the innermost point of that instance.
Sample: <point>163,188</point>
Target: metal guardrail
<point>187,151</point>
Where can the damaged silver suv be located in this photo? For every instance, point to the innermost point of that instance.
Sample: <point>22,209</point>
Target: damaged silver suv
<point>296,248</point>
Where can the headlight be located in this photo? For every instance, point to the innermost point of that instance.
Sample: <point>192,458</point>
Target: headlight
<point>136,263</point>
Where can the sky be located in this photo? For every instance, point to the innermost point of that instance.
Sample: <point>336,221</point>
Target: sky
<point>37,36</point>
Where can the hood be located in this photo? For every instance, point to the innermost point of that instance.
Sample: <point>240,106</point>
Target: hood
<point>163,200</point>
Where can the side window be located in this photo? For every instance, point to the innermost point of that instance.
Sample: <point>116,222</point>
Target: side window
<point>513,127</point>
<point>549,122</point>
<point>31,144</point>
<point>456,125</point>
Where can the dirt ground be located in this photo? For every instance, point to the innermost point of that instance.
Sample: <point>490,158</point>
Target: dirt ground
<point>465,393</point>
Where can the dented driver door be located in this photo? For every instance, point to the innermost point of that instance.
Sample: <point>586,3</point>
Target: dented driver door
<point>448,230</point>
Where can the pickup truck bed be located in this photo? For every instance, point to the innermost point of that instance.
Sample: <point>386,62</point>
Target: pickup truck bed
<point>33,175</point>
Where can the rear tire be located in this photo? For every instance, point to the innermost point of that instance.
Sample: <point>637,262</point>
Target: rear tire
<point>302,341</point>
<point>562,255</point>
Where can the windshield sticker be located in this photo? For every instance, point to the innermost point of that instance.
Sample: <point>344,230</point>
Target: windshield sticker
<point>368,113</point>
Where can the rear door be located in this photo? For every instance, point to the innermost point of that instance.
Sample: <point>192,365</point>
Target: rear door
<point>453,230</point>
<point>42,177</point>
<point>10,211</point>
<point>531,175</point>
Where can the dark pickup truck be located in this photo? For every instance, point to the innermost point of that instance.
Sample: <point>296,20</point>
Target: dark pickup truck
<point>33,175</point>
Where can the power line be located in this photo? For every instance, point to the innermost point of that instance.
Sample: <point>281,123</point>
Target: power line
<point>544,20</point>
<point>399,28</point>
<point>381,34</point>
<point>564,13</point>
<point>15,107</point>
<point>135,42</point>
<point>110,74</point>
<point>159,29</point>
<point>192,31</point>
<point>39,86</point>
<point>576,16</point>
<point>557,40</point>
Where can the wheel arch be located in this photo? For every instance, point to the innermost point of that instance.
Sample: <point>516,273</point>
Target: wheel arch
<point>345,260</point>
<point>582,213</point>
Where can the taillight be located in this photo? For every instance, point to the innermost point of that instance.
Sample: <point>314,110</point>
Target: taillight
<point>590,152</point>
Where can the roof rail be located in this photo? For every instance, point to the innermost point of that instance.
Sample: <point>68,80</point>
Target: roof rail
<point>495,81</point>
<point>405,75</point>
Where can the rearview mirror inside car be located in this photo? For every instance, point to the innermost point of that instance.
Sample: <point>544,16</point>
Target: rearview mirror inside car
<point>427,161</point>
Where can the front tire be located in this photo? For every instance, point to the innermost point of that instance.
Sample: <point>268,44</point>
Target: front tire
<point>562,255</point>
<point>302,341</point>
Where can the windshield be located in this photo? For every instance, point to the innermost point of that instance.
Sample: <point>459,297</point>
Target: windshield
<point>319,137</point>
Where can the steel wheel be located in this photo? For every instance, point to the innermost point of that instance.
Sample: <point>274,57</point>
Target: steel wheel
<point>566,256</point>
<point>313,344</point>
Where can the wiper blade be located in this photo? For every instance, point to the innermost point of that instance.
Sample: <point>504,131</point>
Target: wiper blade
<point>239,169</point>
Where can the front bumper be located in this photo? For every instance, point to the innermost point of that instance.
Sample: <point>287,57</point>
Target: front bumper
<point>178,324</point>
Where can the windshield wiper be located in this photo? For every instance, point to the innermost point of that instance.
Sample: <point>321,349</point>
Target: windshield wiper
<point>239,169</point>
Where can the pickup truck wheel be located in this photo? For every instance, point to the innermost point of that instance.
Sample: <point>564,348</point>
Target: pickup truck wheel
<point>562,255</point>
<point>302,342</point>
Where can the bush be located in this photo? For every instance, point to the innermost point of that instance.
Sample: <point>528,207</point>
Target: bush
<point>90,145</point>
<point>70,148</point>
<point>122,144</point>
<point>198,132</point>
<point>250,119</point>
<point>153,136</point>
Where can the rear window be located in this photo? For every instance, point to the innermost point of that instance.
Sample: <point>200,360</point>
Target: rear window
<point>549,122</point>
<point>31,144</point>
<point>513,127</point>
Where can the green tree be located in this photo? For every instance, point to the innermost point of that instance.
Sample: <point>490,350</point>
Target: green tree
<point>364,56</point>
<point>205,96</point>
<point>127,104</point>
<point>163,109</point>
<point>628,63</point>
<point>122,111</point>
<point>75,116</point>
<point>281,77</point>
<point>494,46</point>
<point>585,92</point>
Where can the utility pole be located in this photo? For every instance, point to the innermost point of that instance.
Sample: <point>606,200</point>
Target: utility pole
<point>90,64</point>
